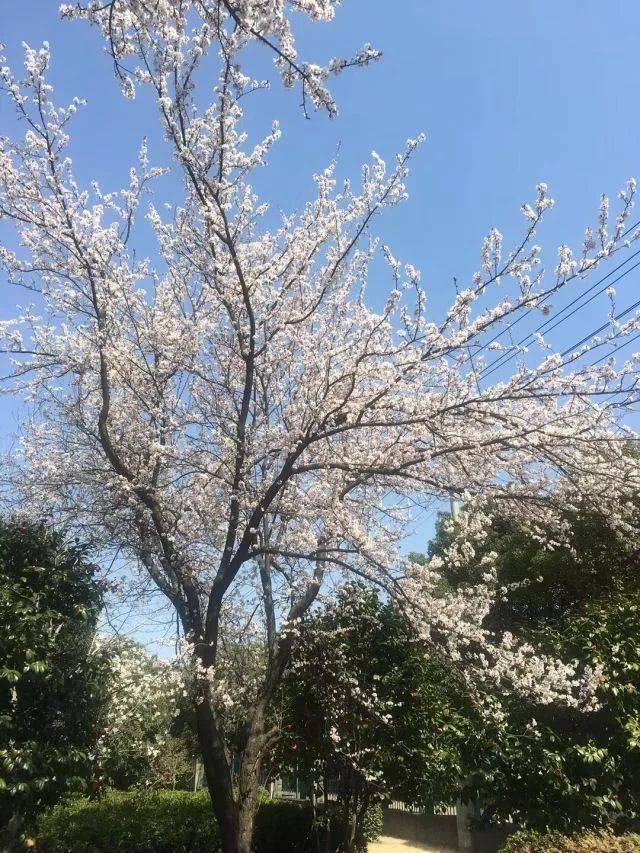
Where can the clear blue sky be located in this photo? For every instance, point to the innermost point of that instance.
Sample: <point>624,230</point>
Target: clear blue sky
<point>509,93</point>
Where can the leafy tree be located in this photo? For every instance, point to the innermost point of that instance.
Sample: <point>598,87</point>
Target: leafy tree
<point>368,708</point>
<point>174,764</point>
<point>553,574</point>
<point>143,698</point>
<point>50,694</point>
<point>555,766</point>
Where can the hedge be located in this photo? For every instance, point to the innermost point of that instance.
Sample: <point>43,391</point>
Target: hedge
<point>121,822</point>
<point>529,841</point>
<point>175,822</point>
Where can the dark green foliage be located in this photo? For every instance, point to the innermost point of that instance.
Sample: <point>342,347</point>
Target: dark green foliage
<point>176,822</point>
<point>124,822</point>
<point>560,581</point>
<point>49,699</point>
<point>530,841</point>
<point>373,823</point>
<point>577,769</point>
<point>283,827</point>
<point>570,769</point>
<point>369,829</point>
<point>413,733</point>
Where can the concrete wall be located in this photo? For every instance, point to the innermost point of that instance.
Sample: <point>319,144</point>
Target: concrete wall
<point>439,831</point>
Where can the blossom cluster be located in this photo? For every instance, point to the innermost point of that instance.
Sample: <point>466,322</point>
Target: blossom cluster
<point>144,695</point>
<point>231,413</point>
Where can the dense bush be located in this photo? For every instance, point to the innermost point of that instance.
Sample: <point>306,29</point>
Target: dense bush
<point>283,827</point>
<point>373,823</point>
<point>552,766</point>
<point>369,828</point>
<point>358,677</point>
<point>174,822</point>
<point>530,841</point>
<point>121,822</point>
<point>50,681</point>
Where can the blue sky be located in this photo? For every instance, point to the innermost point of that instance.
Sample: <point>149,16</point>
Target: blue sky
<point>509,94</point>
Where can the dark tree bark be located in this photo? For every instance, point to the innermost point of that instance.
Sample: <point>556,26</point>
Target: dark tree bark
<point>217,772</point>
<point>235,807</point>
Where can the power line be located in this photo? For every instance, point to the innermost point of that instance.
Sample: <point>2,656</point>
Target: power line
<point>615,350</point>
<point>506,357</point>
<point>601,328</point>
<point>557,320</point>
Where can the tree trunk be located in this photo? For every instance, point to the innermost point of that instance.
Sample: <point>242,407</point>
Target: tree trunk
<point>249,779</point>
<point>235,815</point>
<point>217,772</point>
<point>246,821</point>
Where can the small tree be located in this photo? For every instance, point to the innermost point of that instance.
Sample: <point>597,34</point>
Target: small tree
<point>143,698</point>
<point>50,677</point>
<point>368,709</point>
<point>231,414</point>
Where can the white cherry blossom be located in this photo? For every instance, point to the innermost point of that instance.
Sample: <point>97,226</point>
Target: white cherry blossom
<point>233,415</point>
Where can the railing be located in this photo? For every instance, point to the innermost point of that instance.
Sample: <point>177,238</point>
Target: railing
<point>399,806</point>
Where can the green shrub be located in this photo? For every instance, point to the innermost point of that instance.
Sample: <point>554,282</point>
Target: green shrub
<point>529,841</point>
<point>373,823</point>
<point>370,830</point>
<point>283,827</point>
<point>123,822</point>
<point>178,822</point>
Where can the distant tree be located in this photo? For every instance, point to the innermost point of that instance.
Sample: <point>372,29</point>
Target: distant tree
<point>555,768</point>
<point>552,573</point>
<point>50,694</point>
<point>369,709</point>
<point>174,765</point>
<point>143,698</point>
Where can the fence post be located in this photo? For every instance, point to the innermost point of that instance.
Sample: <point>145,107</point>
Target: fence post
<point>464,813</point>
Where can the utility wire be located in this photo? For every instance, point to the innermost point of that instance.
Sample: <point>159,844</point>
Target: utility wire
<point>601,328</point>
<point>558,319</point>
<point>543,325</point>
<point>612,352</point>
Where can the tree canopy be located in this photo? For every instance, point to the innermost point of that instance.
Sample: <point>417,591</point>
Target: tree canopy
<point>368,707</point>
<point>50,678</point>
<point>579,599</point>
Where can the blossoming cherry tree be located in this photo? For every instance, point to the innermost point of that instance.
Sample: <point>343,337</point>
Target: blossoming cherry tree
<point>234,417</point>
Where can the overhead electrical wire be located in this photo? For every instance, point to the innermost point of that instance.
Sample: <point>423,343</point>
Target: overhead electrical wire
<point>601,328</point>
<point>618,316</point>
<point>612,352</point>
<point>555,320</point>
